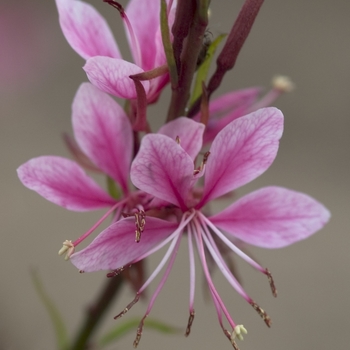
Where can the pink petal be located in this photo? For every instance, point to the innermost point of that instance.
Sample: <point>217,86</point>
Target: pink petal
<point>103,132</point>
<point>163,169</point>
<point>63,182</point>
<point>272,217</point>
<point>144,18</point>
<point>112,75</point>
<point>86,30</point>
<point>189,132</point>
<point>116,247</point>
<point>242,151</point>
<point>232,100</point>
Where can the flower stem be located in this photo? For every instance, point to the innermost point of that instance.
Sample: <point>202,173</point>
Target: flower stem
<point>96,312</point>
<point>188,58</point>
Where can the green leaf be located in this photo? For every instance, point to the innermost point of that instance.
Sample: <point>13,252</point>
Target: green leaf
<point>112,188</point>
<point>131,325</point>
<point>203,70</point>
<point>56,318</point>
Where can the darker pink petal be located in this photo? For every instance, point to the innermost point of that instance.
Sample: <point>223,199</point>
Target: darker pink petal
<point>63,182</point>
<point>163,169</point>
<point>112,75</point>
<point>103,132</point>
<point>242,151</point>
<point>189,132</point>
<point>86,30</point>
<point>272,217</point>
<point>116,247</point>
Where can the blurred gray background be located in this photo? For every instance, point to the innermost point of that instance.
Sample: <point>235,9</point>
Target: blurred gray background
<point>306,40</point>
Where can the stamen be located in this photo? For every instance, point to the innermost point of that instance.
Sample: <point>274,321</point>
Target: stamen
<point>68,248</point>
<point>177,139</point>
<point>272,283</point>
<point>262,313</point>
<point>140,222</point>
<point>237,332</point>
<point>139,332</point>
<point>189,324</point>
<point>282,83</point>
<point>116,272</point>
<point>204,161</point>
<point>128,307</point>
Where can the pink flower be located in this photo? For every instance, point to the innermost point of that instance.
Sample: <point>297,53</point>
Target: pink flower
<point>103,133</point>
<point>272,217</point>
<point>90,36</point>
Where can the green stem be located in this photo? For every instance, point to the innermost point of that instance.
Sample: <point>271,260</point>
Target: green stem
<point>96,312</point>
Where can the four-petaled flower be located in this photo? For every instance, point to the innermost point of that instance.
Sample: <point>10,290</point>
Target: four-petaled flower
<point>271,217</point>
<point>90,36</point>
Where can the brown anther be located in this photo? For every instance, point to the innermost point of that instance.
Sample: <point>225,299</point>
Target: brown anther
<point>139,332</point>
<point>262,313</point>
<point>115,273</point>
<point>205,158</point>
<point>116,5</point>
<point>128,307</point>
<point>81,271</point>
<point>272,283</point>
<point>189,324</point>
<point>140,222</point>
<point>177,139</point>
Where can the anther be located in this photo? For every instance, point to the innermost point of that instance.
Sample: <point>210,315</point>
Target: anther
<point>140,222</point>
<point>189,324</point>
<point>68,249</point>
<point>128,307</point>
<point>272,283</point>
<point>204,161</point>
<point>282,83</point>
<point>238,332</point>
<point>177,139</point>
<point>115,273</point>
<point>139,332</point>
<point>262,313</point>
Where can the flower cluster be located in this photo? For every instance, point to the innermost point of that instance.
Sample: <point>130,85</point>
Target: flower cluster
<point>167,182</point>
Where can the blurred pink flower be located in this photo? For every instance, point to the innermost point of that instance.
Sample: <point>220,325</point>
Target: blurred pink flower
<point>90,36</point>
<point>272,217</point>
<point>27,53</point>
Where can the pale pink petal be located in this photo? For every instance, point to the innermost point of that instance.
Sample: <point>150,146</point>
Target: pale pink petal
<point>272,217</point>
<point>189,132</point>
<point>112,75</point>
<point>232,100</point>
<point>116,247</point>
<point>242,151</point>
<point>103,132</point>
<point>163,169</point>
<point>86,30</point>
<point>144,18</point>
<point>63,182</point>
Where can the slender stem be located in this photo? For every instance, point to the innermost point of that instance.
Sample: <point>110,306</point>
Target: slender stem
<point>228,56</point>
<point>96,312</point>
<point>189,57</point>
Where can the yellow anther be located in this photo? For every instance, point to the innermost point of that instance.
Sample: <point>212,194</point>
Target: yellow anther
<point>238,332</point>
<point>68,249</point>
<point>283,83</point>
